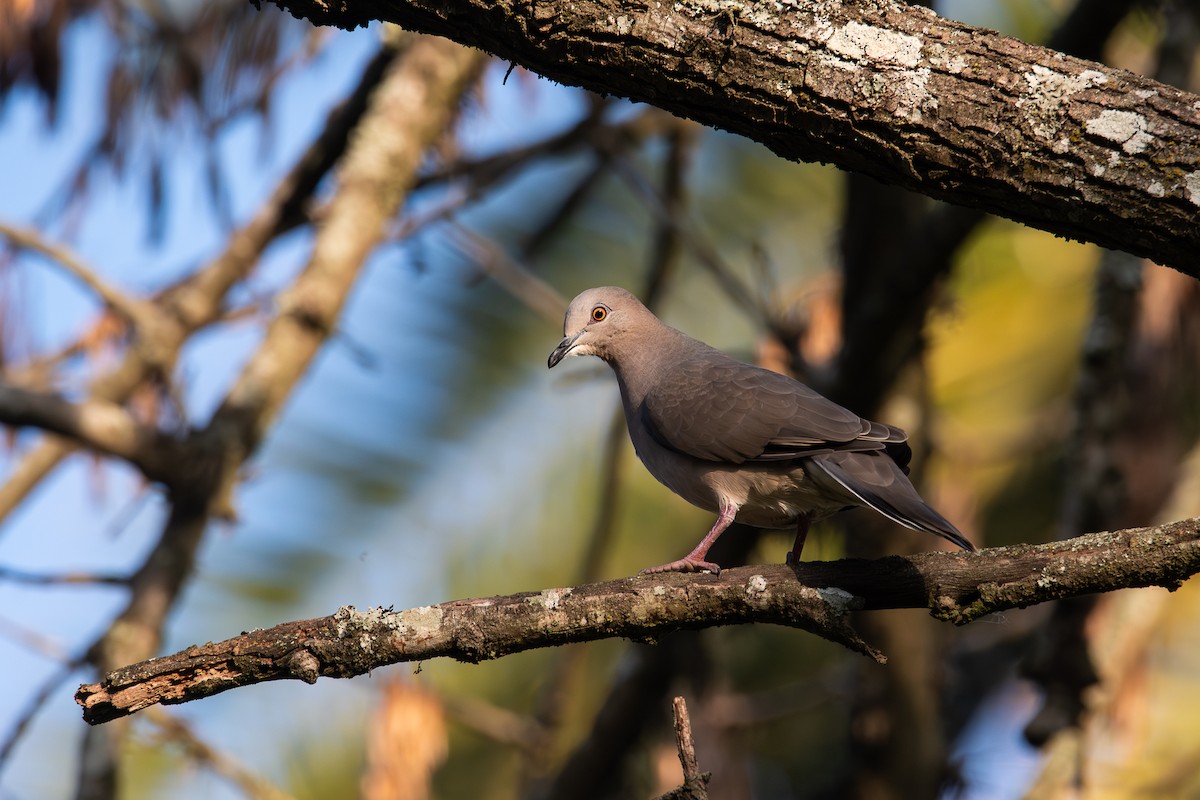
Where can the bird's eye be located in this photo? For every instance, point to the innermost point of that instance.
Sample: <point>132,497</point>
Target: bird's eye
<point>599,313</point>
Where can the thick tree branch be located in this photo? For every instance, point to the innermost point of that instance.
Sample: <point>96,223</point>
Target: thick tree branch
<point>413,104</point>
<point>409,111</point>
<point>102,427</point>
<point>957,587</point>
<point>875,86</point>
<point>198,299</point>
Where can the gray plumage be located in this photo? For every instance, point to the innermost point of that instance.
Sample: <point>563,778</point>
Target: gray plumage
<point>739,440</point>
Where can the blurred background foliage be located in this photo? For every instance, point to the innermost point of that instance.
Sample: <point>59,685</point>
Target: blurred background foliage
<point>430,455</point>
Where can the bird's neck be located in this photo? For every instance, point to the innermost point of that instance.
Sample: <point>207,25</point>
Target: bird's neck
<point>639,371</point>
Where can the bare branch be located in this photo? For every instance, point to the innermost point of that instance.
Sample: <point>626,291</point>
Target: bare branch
<point>487,171</point>
<point>515,278</point>
<point>674,218</point>
<point>140,313</point>
<point>695,784</point>
<point>410,107</point>
<point>36,641</point>
<point>885,88</point>
<point>498,724</point>
<point>421,96</point>
<point>565,210</point>
<point>29,471</point>
<point>251,785</point>
<point>102,427</point>
<point>815,596</point>
<point>62,579</point>
<point>683,737</point>
<point>591,131</point>
<point>33,704</point>
<point>197,300</point>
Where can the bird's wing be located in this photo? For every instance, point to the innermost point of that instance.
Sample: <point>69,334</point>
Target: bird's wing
<point>718,409</point>
<point>877,481</point>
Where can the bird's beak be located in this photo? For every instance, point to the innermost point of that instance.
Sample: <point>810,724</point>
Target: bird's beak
<point>563,350</point>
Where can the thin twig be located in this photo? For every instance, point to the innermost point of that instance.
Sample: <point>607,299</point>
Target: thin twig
<point>35,640</point>
<point>450,205</point>
<point>489,170</point>
<point>695,783</point>
<point>515,278</point>
<point>38,699</point>
<point>175,730</point>
<point>536,242</point>
<point>61,579</point>
<point>706,254</point>
<point>683,737</point>
<point>498,724</point>
<point>664,248</point>
<point>139,313</point>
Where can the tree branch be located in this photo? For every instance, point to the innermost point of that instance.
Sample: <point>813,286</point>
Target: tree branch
<point>197,300</point>
<point>508,273</point>
<point>409,110</point>
<point>105,428</point>
<point>888,89</point>
<point>140,313</point>
<point>695,783</point>
<point>252,786</point>
<point>956,587</point>
<point>412,105</point>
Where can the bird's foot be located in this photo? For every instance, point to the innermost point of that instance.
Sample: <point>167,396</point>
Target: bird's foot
<point>685,564</point>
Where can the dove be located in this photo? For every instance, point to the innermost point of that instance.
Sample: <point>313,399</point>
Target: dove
<point>748,444</point>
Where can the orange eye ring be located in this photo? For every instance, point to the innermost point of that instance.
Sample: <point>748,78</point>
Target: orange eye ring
<point>599,313</point>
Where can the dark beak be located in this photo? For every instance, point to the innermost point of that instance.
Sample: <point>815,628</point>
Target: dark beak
<point>561,351</point>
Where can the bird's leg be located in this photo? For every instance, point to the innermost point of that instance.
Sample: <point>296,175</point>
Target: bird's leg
<point>802,524</point>
<point>694,561</point>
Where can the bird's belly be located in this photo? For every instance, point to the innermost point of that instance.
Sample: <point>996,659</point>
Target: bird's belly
<point>775,496</point>
<point>767,495</point>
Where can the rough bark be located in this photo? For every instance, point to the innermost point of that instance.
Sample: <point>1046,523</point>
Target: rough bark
<point>875,86</point>
<point>816,596</point>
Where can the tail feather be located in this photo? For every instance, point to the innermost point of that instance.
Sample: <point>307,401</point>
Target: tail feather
<point>878,482</point>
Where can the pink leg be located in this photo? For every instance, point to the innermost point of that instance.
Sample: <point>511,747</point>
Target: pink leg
<point>694,561</point>
<point>801,534</point>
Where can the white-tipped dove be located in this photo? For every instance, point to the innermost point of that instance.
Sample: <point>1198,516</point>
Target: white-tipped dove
<point>738,440</point>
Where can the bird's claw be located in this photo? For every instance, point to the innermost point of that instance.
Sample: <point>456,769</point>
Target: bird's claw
<point>684,565</point>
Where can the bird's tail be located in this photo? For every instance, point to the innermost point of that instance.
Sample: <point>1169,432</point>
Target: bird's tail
<point>877,481</point>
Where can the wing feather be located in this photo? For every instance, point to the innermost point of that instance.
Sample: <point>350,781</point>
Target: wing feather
<point>878,482</point>
<point>717,409</point>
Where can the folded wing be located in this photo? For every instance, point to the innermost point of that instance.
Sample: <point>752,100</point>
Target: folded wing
<point>877,481</point>
<point>718,409</point>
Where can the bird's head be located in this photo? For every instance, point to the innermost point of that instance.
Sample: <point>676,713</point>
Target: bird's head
<point>598,320</point>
